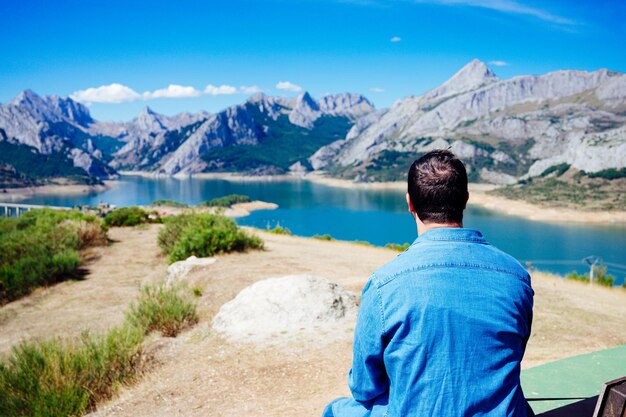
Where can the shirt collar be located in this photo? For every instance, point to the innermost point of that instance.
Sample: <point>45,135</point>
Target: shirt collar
<point>451,234</point>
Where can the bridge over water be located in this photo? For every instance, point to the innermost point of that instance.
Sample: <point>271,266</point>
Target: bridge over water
<point>16,210</point>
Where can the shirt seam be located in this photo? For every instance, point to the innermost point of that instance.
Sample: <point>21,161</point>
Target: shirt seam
<point>385,281</point>
<point>381,309</point>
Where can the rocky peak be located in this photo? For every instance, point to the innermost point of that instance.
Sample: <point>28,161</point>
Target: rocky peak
<point>305,100</point>
<point>346,104</point>
<point>473,75</point>
<point>305,111</point>
<point>52,108</point>
<point>149,120</point>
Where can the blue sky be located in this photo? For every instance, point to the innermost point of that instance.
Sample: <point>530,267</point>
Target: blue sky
<point>121,55</point>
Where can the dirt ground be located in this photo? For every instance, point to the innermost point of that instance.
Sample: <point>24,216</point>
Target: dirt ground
<point>199,374</point>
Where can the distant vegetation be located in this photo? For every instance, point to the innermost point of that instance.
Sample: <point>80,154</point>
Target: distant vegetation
<point>599,277</point>
<point>570,189</point>
<point>130,216</point>
<point>323,237</point>
<point>42,247</point>
<point>557,170</point>
<point>281,145</point>
<point>609,174</point>
<point>202,235</point>
<point>168,203</point>
<point>68,378</point>
<point>226,201</point>
<point>397,247</point>
<point>32,168</point>
<point>279,230</point>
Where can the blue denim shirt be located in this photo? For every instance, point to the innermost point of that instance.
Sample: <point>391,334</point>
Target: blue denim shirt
<point>441,332</point>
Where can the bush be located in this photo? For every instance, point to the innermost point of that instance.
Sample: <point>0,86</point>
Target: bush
<point>54,378</point>
<point>397,247</point>
<point>226,201</point>
<point>165,310</point>
<point>323,237</point>
<point>559,169</point>
<point>278,230</point>
<point>168,203</point>
<point>130,216</point>
<point>609,174</point>
<point>599,276</point>
<point>42,247</point>
<point>202,235</point>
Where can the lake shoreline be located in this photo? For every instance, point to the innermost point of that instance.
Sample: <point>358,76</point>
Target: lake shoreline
<point>479,196</point>
<point>12,195</point>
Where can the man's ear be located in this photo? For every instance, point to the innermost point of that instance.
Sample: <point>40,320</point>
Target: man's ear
<point>409,203</point>
<point>466,200</point>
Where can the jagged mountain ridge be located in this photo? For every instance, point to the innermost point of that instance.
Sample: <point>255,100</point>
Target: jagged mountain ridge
<point>50,125</point>
<point>505,129</point>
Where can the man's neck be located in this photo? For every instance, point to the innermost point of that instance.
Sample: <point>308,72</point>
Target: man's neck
<point>424,227</point>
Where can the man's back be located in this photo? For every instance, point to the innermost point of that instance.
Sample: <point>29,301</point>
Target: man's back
<point>443,328</point>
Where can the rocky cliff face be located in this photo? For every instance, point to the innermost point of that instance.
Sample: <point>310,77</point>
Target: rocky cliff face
<point>51,126</point>
<point>512,127</point>
<point>255,120</point>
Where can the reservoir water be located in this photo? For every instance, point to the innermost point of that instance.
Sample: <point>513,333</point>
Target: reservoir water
<point>376,216</point>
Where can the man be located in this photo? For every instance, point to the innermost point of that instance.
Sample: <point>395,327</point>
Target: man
<point>443,327</point>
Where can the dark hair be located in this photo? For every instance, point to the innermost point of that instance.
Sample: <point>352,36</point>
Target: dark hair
<point>438,187</point>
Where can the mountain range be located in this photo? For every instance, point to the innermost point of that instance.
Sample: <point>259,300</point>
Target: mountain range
<point>505,130</point>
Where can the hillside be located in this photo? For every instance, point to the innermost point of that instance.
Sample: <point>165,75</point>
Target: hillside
<point>507,131</point>
<point>199,374</point>
<point>47,138</point>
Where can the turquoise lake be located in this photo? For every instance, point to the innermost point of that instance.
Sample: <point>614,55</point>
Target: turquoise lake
<point>376,216</point>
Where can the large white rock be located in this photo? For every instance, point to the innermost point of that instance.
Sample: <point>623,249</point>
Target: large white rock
<point>276,309</point>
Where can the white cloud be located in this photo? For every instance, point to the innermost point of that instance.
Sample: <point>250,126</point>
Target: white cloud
<point>395,39</point>
<point>250,89</point>
<point>286,85</point>
<point>221,90</point>
<point>112,93</point>
<point>119,93</point>
<point>172,91</point>
<point>499,63</point>
<point>377,90</point>
<point>506,6</point>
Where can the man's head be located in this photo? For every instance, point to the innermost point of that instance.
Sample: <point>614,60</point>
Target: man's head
<point>438,188</point>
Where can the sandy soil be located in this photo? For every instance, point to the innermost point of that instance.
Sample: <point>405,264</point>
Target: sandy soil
<point>114,275</point>
<point>199,374</point>
<point>236,210</point>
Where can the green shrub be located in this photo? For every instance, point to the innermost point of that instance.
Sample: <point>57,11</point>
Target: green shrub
<point>42,247</point>
<point>168,203</point>
<point>599,277</point>
<point>162,309</point>
<point>397,247</point>
<point>609,174</point>
<point>226,201</point>
<point>362,243</point>
<point>202,235</point>
<point>55,378</point>
<point>130,216</point>
<point>323,237</point>
<point>559,169</point>
<point>279,230</point>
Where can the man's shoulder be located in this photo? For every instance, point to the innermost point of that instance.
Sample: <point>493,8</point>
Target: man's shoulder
<point>424,256</point>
